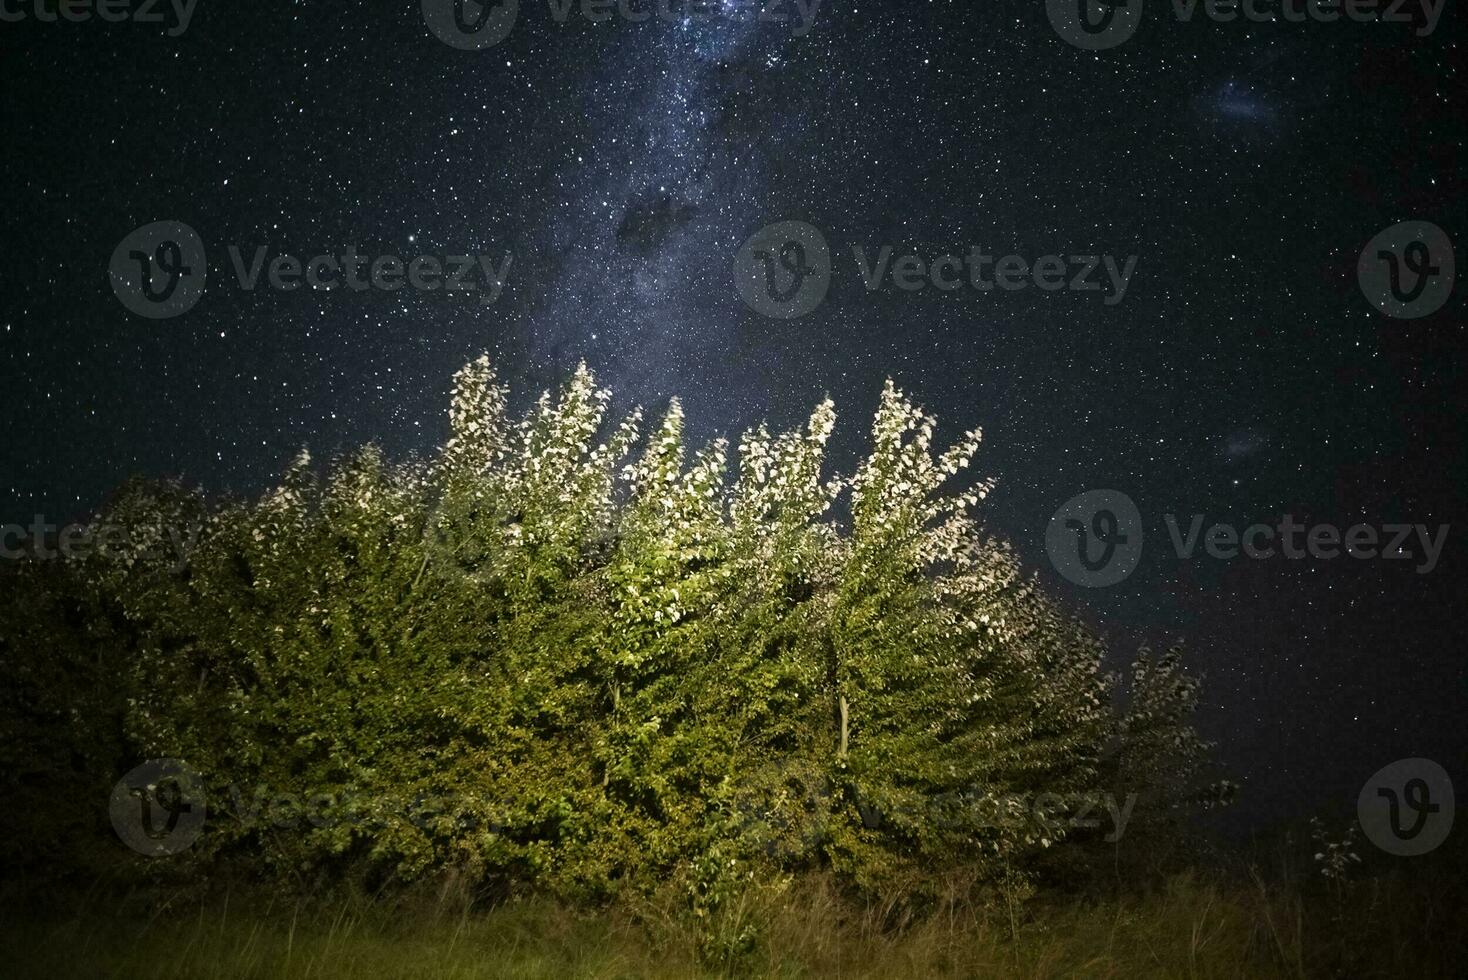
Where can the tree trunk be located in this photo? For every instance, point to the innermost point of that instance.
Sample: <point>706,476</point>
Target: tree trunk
<point>845,726</point>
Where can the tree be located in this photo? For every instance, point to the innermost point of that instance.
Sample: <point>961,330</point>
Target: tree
<point>547,658</point>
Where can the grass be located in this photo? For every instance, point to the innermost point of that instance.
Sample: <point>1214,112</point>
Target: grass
<point>1188,926</point>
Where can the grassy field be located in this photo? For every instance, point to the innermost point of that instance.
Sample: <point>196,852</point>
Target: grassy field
<point>1185,927</point>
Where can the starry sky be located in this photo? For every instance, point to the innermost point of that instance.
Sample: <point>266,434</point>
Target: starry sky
<point>622,165</point>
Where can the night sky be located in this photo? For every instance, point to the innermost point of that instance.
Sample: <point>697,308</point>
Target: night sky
<point>622,165</point>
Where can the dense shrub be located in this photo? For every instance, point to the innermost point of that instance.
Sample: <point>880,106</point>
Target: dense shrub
<point>553,657</point>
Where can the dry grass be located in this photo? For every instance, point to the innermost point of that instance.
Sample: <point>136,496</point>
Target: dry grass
<point>1187,927</point>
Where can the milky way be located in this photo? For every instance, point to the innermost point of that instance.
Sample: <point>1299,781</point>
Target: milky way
<point>642,238</point>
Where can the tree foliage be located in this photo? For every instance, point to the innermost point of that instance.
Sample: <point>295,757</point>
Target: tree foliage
<point>570,654</point>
